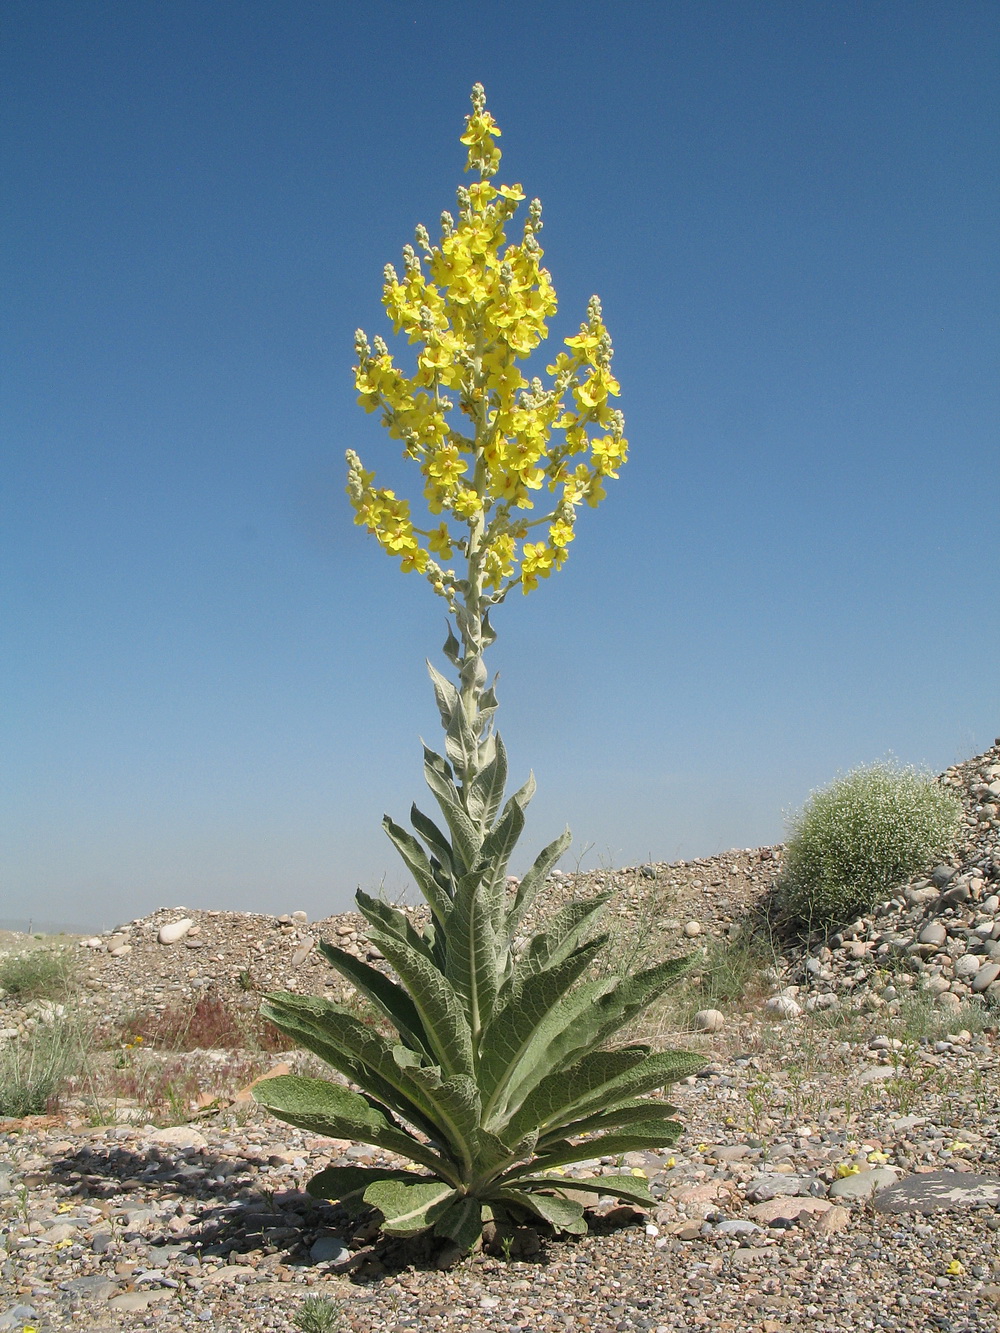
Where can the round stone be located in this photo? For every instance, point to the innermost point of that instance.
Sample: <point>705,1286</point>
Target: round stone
<point>967,966</point>
<point>783,1006</point>
<point>933,933</point>
<point>709,1020</point>
<point>692,928</point>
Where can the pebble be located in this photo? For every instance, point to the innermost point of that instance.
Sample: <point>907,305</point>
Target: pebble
<point>709,1020</point>
<point>174,931</point>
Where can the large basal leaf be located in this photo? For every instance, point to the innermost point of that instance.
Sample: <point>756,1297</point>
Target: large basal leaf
<point>338,1183</point>
<point>619,1004</point>
<point>642,1111</point>
<point>359,1052</point>
<point>408,1209</point>
<point>461,1222</point>
<point>601,1080</point>
<point>533,879</point>
<point>446,1110</point>
<point>557,1095</point>
<point>442,1017</point>
<point>515,1040</point>
<point>633,1189</point>
<point>392,1000</point>
<point>647,1137</point>
<point>326,1108</point>
<point>563,1214</point>
<point>419,867</point>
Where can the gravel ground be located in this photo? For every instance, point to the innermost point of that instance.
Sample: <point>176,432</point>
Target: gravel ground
<point>836,1172</point>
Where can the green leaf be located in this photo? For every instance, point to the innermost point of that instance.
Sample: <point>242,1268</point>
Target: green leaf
<point>408,1209</point>
<point>436,841</point>
<point>446,694</point>
<point>555,1099</point>
<point>391,921</point>
<point>466,839</point>
<point>599,1081</point>
<point>514,1041</point>
<point>533,879</point>
<point>640,1111</point>
<point>647,1137</point>
<point>391,999</point>
<point>633,1189</point>
<point>446,1110</point>
<point>461,743</point>
<point>340,1182</point>
<point>471,965</point>
<point>327,1108</point>
<point>562,1214</point>
<point>486,789</point>
<point>568,927</point>
<point>452,648</point>
<point>420,867</point>
<point>462,1222</point>
<point>442,1017</point>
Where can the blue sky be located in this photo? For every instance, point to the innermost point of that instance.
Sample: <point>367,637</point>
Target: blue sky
<point>214,682</point>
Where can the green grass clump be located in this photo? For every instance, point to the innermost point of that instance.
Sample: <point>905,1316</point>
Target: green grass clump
<point>859,839</point>
<point>39,974</point>
<point>35,1068</point>
<point>318,1314</point>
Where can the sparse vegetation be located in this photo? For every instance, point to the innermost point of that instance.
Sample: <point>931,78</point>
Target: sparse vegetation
<point>858,840</point>
<point>208,1022</point>
<point>38,974</point>
<point>35,1069</point>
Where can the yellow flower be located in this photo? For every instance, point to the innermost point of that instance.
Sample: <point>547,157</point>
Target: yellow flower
<point>878,1157</point>
<point>847,1169</point>
<point>956,1268</point>
<point>957,1146</point>
<point>638,1171</point>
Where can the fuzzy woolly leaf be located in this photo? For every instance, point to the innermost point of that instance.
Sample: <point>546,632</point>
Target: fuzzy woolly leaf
<point>645,1137</point>
<point>327,1108</point>
<point>466,838</point>
<point>340,1182</point>
<point>633,1189</point>
<point>533,879</point>
<point>408,1209</point>
<point>461,1222</point>
<point>563,1214</point>
<point>419,867</point>
<point>391,999</point>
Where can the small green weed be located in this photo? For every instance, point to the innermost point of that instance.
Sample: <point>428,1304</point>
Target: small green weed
<point>318,1314</point>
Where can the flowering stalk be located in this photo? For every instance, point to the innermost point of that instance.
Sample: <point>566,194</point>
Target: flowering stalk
<point>497,1075</point>
<point>476,306</point>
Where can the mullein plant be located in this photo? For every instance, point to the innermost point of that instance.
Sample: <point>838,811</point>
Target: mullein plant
<point>501,1071</point>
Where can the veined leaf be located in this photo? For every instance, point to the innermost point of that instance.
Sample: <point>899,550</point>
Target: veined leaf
<point>515,1039</point>
<point>420,867</point>
<point>340,1182</point>
<point>461,1222</point>
<point>327,1108</point>
<point>446,1110</point>
<point>461,744</point>
<point>391,921</point>
<point>486,789</point>
<point>641,1111</point>
<point>633,1189</point>
<point>408,1209</point>
<point>557,941</point>
<point>563,1214</point>
<point>352,1047</point>
<point>466,839</point>
<point>556,1096</point>
<point>452,648</point>
<point>600,1080</point>
<point>445,693</point>
<point>438,843</point>
<point>442,1017</point>
<point>648,1137</point>
<point>391,999</point>
<point>471,965</point>
<point>533,879</point>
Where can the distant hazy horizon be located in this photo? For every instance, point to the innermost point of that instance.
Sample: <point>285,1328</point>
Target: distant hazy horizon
<point>213,682</point>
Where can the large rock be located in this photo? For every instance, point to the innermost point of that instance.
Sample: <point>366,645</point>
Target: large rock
<point>175,931</point>
<point>936,1190</point>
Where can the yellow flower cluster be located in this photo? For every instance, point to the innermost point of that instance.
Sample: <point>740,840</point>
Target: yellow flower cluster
<point>475,305</point>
